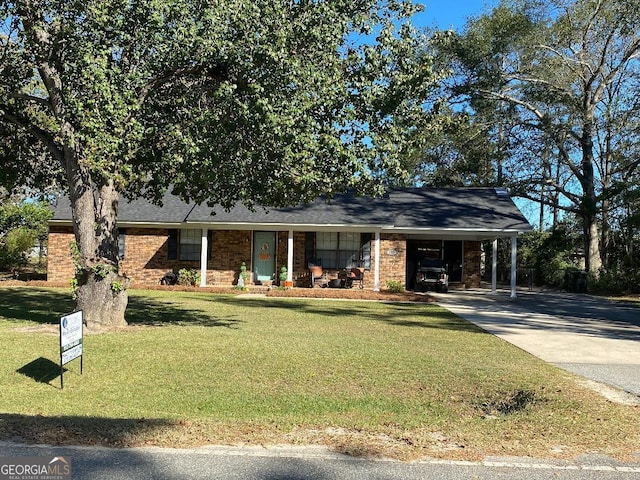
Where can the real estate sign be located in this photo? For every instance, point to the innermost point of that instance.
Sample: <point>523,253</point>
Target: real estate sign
<point>70,340</point>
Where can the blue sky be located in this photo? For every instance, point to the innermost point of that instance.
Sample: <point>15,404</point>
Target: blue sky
<point>450,13</point>
<point>453,14</point>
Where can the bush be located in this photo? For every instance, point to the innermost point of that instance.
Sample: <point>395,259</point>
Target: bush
<point>616,281</point>
<point>395,286</point>
<point>188,277</point>
<point>549,253</point>
<point>22,225</point>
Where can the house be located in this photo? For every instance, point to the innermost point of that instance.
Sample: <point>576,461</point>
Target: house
<point>386,236</point>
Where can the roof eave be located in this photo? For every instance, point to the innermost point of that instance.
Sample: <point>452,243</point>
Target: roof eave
<point>459,233</point>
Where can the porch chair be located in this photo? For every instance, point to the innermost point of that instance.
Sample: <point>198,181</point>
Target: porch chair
<point>356,275</point>
<point>318,276</point>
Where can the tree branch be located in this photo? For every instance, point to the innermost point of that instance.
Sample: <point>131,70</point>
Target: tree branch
<point>43,136</point>
<point>31,98</point>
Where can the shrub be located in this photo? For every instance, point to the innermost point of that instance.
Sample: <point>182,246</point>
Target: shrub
<point>395,286</point>
<point>188,276</point>
<point>283,274</point>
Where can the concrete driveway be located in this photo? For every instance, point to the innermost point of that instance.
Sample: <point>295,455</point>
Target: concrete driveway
<point>587,335</point>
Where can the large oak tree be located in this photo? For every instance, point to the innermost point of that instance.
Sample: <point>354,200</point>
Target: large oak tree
<point>269,102</point>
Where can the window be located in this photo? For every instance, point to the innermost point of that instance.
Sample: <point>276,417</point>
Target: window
<point>327,249</point>
<point>184,245</point>
<point>190,241</point>
<point>338,249</point>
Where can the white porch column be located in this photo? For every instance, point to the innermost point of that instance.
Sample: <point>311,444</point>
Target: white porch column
<point>514,258</point>
<point>290,256</point>
<point>376,264</point>
<point>494,266</point>
<point>204,250</point>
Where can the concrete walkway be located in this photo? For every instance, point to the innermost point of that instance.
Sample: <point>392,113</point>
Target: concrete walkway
<point>590,336</point>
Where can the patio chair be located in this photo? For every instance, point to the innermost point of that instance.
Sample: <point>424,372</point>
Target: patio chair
<point>356,275</point>
<point>318,276</point>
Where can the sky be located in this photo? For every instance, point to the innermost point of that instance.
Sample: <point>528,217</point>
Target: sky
<point>445,14</point>
<point>453,14</point>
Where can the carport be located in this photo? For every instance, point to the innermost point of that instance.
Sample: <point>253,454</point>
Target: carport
<point>452,253</point>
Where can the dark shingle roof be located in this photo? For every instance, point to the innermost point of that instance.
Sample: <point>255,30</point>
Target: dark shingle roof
<point>457,209</point>
<point>343,209</point>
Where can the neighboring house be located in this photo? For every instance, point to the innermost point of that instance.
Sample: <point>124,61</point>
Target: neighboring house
<point>385,236</point>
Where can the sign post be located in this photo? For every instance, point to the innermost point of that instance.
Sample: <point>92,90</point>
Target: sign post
<point>70,341</point>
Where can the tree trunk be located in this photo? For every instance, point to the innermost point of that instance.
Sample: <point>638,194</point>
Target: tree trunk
<point>593,262</point>
<point>103,301</point>
<point>94,201</point>
<point>101,291</point>
<point>589,206</point>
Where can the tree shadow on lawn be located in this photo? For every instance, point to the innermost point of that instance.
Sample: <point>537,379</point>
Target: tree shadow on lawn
<point>44,306</point>
<point>76,430</point>
<point>437,318</point>
<point>396,314</point>
<point>152,312</point>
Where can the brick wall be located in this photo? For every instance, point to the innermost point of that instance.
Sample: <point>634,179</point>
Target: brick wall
<point>472,262</point>
<point>393,259</point>
<point>145,256</point>
<point>60,267</point>
<point>229,248</point>
<point>146,261</point>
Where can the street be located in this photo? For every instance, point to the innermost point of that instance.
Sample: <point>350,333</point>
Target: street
<point>313,463</point>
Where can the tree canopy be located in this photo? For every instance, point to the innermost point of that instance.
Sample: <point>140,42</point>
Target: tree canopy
<point>262,101</point>
<point>267,102</point>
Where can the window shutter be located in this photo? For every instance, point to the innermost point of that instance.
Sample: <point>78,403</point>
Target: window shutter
<point>122,233</point>
<point>365,247</point>
<point>172,243</point>
<point>309,248</point>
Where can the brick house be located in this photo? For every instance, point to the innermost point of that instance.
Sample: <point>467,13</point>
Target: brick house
<point>385,236</point>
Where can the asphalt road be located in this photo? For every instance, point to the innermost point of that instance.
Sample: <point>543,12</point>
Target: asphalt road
<point>309,463</point>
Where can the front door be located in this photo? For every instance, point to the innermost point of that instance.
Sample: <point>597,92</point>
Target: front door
<point>264,256</point>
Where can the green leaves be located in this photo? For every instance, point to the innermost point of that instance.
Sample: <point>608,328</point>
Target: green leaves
<point>263,101</point>
<point>21,226</point>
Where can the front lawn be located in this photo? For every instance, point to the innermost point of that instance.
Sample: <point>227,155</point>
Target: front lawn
<point>367,378</point>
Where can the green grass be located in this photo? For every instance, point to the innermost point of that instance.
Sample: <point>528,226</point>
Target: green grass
<point>404,380</point>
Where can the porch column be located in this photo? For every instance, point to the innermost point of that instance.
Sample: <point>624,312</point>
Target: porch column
<point>290,256</point>
<point>376,264</point>
<point>494,266</point>
<point>514,257</point>
<point>204,250</point>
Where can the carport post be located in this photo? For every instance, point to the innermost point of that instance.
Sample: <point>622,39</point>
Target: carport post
<point>514,258</point>
<point>290,256</point>
<point>203,257</point>
<point>494,266</point>
<point>376,265</point>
